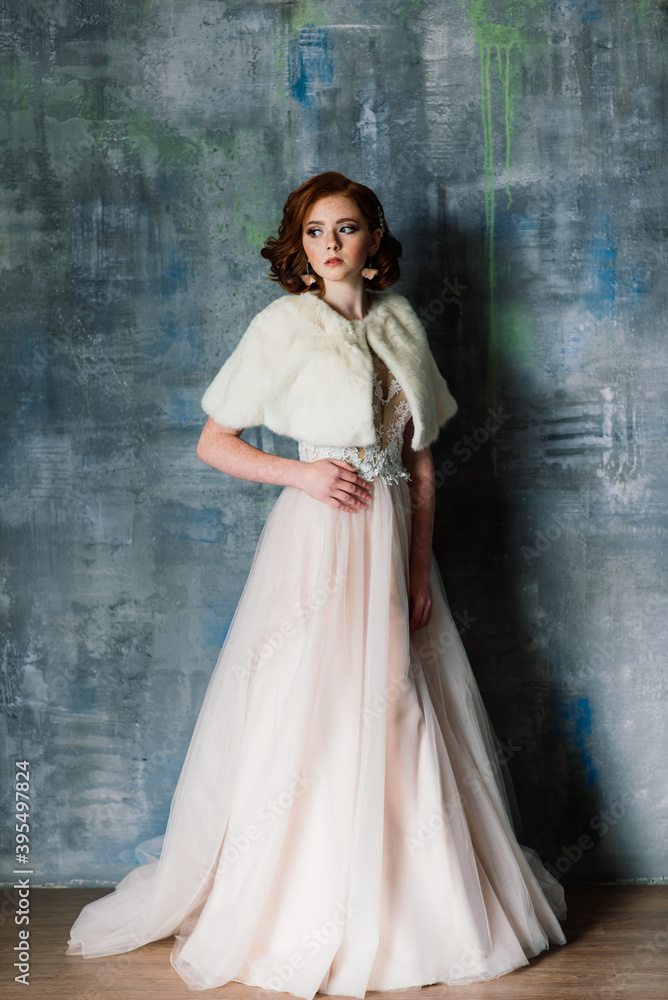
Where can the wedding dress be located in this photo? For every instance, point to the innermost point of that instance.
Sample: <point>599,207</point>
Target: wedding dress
<point>342,821</point>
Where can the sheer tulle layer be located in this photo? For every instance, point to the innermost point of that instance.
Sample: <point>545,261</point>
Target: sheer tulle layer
<point>341,822</point>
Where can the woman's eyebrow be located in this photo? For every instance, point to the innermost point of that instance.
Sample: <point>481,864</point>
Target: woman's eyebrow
<point>319,222</point>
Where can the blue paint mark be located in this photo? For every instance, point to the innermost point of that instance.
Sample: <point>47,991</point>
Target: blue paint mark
<point>184,412</point>
<point>588,10</point>
<point>526,225</point>
<point>173,276</point>
<point>189,524</point>
<point>310,63</point>
<point>214,633</point>
<point>600,300</point>
<point>573,344</point>
<point>528,230</point>
<point>579,717</point>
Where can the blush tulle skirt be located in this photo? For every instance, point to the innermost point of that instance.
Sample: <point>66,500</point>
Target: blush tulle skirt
<point>342,821</point>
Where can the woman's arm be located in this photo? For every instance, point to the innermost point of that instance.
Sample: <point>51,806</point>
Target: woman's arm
<point>222,448</point>
<point>420,465</point>
<point>330,480</point>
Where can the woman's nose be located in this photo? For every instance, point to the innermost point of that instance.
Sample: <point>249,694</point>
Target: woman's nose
<point>332,242</point>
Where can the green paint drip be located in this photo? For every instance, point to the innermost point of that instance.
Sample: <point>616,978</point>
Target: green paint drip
<point>504,38</point>
<point>486,102</point>
<point>504,76</point>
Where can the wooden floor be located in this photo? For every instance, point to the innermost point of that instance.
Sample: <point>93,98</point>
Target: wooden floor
<point>617,950</point>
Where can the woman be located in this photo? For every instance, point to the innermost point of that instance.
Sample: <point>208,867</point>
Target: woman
<point>341,822</point>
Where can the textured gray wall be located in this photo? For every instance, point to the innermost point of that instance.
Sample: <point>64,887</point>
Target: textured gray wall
<point>146,150</point>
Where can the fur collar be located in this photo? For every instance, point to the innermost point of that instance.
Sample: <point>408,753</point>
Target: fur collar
<point>305,371</point>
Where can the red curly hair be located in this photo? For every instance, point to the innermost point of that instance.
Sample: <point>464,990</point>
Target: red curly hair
<point>286,251</point>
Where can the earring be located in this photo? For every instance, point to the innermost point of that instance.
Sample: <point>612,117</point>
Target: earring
<point>307,278</point>
<point>369,272</point>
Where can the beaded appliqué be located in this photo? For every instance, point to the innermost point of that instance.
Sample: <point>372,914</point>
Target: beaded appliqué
<point>382,459</point>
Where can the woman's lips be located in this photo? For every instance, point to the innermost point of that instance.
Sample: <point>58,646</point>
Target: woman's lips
<point>332,261</point>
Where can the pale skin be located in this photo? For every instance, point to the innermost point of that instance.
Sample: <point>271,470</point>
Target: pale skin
<point>337,241</point>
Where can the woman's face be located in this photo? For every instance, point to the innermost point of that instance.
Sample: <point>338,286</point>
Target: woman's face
<point>336,238</point>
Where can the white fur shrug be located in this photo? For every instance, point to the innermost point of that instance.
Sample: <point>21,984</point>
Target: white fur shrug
<point>305,371</point>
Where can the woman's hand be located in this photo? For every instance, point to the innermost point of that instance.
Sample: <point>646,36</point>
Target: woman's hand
<point>420,599</point>
<point>336,483</point>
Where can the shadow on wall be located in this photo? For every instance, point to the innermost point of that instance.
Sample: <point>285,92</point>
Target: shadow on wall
<point>480,514</point>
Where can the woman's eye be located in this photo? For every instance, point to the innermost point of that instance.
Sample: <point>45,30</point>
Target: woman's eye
<point>318,232</point>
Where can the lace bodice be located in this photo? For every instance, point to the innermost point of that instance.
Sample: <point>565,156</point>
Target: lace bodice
<point>391,413</point>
